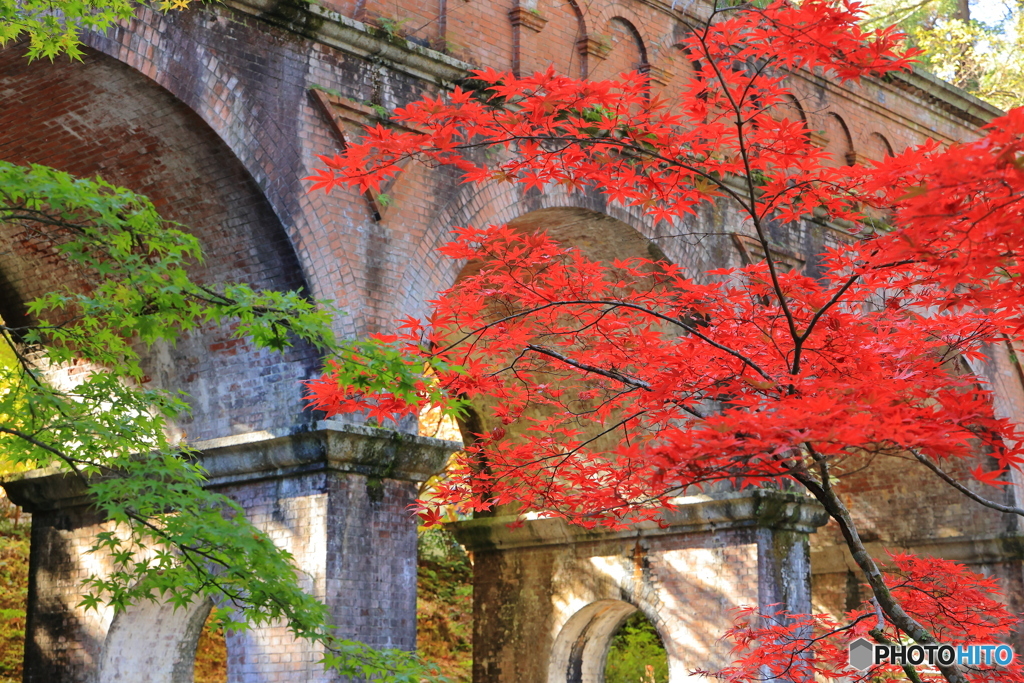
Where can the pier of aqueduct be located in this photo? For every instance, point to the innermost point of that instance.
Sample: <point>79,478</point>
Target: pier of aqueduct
<point>217,113</point>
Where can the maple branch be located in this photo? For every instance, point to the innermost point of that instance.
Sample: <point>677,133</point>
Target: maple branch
<point>190,552</point>
<point>798,343</point>
<point>838,511</point>
<point>623,304</point>
<point>878,633</point>
<point>625,145</point>
<point>700,335</point>
<point>8,334</point>
<point>751,209</point>
<point>73,464</point>
<point>564,457</point>
<point>610,374</point>
<point>46,447</point>
<point>908,669</point>
<point>944,476</point>
<point>887,19</point>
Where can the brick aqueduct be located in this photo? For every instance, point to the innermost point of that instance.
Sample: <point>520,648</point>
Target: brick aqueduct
<point>216,113</point>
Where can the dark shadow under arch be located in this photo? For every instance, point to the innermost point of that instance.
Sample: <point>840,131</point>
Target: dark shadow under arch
<point>598,237</point>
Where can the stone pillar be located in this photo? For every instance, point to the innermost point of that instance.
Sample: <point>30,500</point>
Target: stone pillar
<point>549,596</point>
<point>337,498</point>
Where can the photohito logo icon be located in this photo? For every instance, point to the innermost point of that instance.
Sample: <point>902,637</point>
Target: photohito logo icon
<point>861,654</point>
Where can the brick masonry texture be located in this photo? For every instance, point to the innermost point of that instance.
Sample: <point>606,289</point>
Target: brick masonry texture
<point>209,112</point>
<point>103,118</point>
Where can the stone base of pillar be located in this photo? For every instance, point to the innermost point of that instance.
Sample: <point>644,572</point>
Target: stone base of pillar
<point>548,596</point>
<point>337,498</point>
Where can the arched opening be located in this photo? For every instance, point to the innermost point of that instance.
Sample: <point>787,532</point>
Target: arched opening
<point>557,43</point>
<point>586,649</point>
<point>597,237</point>
<point>116,123</point>
<point>878,147</point>
<point>838,143</point>
<point>211,661</point>
<point>789,109</point>
<point>626,50</point>
<point>637,653</point>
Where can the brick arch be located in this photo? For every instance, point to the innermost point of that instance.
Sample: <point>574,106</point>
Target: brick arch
<point>554,36</point>
<point>662,45</point>
<point>101,117</point>
<point>877,147</point>
<point>212,83</point>
<point>597,237</point>
<point>248,82</point>
<point>791,107</point>
<point>627,50</point>
<point>157,638</point>
<point>581,647</point>
<point>495,204</point>
<point>596,234</point>
<point>838,141</point>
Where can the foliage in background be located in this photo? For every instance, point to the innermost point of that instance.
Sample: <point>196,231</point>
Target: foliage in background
<point>637,654</point>
<point>444,604</point>
<point>14,547</point>
<point>73,398</point>
<point>211,665</point>
<point>56,29</point>
<point>985,59</point>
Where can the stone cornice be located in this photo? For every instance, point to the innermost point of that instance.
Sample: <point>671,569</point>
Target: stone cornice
<point>598,47</point>
<point>530,18</point>
<point>946,96</point>
<point>46,489</point>
<point>354,37</point>
<point>333,446</point>
<point>259,456</point>
<point>836,559</point>
<point>692,515</point>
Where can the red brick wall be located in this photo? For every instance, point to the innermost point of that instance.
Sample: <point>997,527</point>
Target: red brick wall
<point>256,101</point>
<point>100,117</point>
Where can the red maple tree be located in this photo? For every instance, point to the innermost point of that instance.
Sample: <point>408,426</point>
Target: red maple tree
<point>615,387</point>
